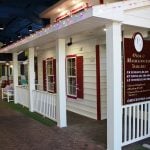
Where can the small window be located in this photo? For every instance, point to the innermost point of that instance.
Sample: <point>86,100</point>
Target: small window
<point>71,76</point>
<point>50,75</point>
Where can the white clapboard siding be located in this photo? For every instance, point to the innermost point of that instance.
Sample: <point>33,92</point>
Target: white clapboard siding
<point>89,91</point>
<point>103,81</point>
<point>90,73</point>
<point>90,61</point>
<point>89,80</point>
<point>90,97</point>
<point>86,106</point>
<point>90,85</point>
<point>82,109</point>
<point>89,67</point>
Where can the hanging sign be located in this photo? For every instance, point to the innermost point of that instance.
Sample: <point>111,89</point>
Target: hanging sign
<point>136,69</point>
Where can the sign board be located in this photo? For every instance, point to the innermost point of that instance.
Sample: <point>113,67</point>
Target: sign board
<point>136,69</point>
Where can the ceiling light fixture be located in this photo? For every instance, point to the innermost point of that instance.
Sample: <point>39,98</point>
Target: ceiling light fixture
<point>30,28</point>
<point>1,28</point>
<point>10,40</point>
<point>18,35</point>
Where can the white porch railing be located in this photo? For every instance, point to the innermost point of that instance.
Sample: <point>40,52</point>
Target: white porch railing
<point>22,96</point>
<point>44,103</point>
<point>136,122</point>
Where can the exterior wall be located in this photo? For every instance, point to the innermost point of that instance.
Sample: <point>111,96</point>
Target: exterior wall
<point>43,54</point>
<point>86,106</point>
<point>85,48</point>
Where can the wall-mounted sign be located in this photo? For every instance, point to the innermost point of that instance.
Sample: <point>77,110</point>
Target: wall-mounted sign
<point>138,42</point>
<point>136,69</point>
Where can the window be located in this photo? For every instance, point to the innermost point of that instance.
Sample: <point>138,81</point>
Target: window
<point>71,77</point>
<point>74,75</point>
<point>49,75</point>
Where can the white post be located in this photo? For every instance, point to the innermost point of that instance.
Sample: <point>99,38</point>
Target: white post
<point>114,88</point>
<point>31,76</point>
<point>15,75</point>
<point>61,84</point>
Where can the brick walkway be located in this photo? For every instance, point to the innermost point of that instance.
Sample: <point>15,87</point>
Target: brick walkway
<point>18,132</point>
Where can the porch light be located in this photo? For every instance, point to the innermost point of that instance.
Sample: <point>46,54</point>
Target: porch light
<point>11,66</point>
<point>7,64</point>
<point>105,29</point>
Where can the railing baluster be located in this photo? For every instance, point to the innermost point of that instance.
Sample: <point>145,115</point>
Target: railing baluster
<point>129,117</point>
<point>148,119</point>
<point>125,124</point>
<point>133,136</point>
<point>141,129</point>
<point>145,118</point>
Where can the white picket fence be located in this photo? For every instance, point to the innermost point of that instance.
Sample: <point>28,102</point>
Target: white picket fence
<point>136,122</point>
<point>22,96</point>
<point>44,103</point>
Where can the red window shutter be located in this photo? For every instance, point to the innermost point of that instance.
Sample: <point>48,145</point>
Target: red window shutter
<point>44,76</point>
<point>80,76</point>
<point>54,69</point>
<point>101,1</point>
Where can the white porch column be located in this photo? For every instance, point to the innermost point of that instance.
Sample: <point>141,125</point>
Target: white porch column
<point>114,89</point>
<point>61,83</point>
<point>15,75</point>
<point>31,76</point>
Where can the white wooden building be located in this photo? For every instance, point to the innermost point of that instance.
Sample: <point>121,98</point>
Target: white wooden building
<point>80,36</point>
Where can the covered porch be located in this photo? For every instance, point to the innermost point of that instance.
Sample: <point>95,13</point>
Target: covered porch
<point>53,105</point>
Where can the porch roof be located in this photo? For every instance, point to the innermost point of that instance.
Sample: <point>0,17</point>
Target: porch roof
<point>94,17</point>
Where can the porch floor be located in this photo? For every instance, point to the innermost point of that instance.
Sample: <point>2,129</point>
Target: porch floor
<point>18,132</point>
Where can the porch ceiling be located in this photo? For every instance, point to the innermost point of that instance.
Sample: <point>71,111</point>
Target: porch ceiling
<point>88,23</point>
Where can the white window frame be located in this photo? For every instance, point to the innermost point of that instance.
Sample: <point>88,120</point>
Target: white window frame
<point>69,76</point>
<point>50,75</point>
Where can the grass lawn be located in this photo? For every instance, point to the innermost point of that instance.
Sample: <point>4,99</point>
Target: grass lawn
<point>26,112</point>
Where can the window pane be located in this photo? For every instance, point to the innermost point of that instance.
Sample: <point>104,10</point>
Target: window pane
<point>71,75</point>
<point>72,86</point>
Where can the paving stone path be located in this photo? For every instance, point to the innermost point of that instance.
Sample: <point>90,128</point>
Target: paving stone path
<point>18,132</point>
